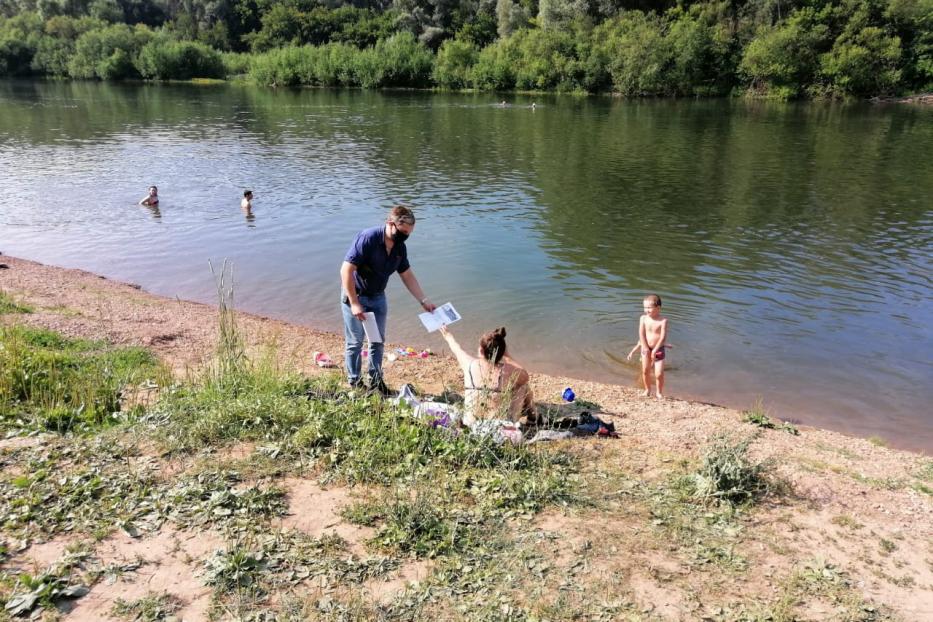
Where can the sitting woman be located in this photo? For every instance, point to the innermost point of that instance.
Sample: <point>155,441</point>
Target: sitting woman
<point>495,385</point>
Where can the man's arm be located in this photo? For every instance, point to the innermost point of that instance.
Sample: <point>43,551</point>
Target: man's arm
<point>411,282</point>
<point>347,270</point>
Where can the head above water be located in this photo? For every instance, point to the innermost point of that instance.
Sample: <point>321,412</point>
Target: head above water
<point>492,345</point>
<point>247,194</point>
<point>153,191</point>
<point>400,223</point>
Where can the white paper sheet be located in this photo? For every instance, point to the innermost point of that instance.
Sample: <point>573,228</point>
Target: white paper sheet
<point>371,328</point>
<point>444,314</point>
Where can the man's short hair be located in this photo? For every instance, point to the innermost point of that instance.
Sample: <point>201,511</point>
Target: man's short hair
<point>402,215</point>
<point>246,193</point>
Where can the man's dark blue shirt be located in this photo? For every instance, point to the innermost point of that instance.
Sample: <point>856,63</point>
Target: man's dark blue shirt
<point>373,265</point>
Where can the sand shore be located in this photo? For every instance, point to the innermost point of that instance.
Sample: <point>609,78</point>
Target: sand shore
<point>886,492</point>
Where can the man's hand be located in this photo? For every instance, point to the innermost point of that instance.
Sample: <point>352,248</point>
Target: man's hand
<point>357,310</point>
<point>428,306</point>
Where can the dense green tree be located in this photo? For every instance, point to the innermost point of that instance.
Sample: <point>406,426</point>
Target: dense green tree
<point>108,53</point>
<point>638,57</point>
<point>15,57</point>
<point>864,63</point>
<point>453,68</point>
<point>783,60</point>
<point>773,48</point>
<point>510,16</point>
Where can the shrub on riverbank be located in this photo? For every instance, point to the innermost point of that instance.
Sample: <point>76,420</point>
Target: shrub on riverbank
<point>179,60</point>
<point>396,61</point>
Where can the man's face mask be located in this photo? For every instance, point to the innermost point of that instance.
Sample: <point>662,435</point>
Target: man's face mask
<point>399,235</point>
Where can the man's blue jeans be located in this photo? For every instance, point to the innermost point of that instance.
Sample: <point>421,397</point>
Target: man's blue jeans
<point>354,337</point>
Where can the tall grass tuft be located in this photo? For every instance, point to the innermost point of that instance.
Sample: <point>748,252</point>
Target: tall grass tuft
<point>54,383</point>
<point>727,473</point>
<point>230,348</point>
<point>8,304</point>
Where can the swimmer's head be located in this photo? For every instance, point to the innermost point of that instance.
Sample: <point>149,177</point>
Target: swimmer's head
<point>248,194</point>
<point>153,191</point>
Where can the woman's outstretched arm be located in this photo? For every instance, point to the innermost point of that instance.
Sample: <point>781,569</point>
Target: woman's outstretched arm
<point>463,358</point>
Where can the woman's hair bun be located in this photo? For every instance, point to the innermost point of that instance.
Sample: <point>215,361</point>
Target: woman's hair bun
<point>500,331</point>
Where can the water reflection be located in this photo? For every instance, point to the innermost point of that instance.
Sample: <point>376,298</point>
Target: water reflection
<point>791,243</point>
<point>154,211</point>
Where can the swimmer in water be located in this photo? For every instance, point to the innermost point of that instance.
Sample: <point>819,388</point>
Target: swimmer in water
<point>246,203</point>
<point>152,198</point>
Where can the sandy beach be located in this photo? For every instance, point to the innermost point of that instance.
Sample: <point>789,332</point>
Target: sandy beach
<point>852,503</point>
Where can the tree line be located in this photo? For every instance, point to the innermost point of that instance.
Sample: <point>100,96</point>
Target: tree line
<point>773,48</point>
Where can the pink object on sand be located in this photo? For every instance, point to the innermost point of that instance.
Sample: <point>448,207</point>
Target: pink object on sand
<point>322,360</point>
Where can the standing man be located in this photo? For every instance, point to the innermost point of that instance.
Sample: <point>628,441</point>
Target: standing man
<point>374,255</point>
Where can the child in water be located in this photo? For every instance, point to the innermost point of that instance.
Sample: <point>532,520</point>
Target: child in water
<point>152,198</point>
<point>652,335</point>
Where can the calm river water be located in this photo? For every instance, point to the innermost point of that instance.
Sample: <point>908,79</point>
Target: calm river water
<point>792,243</point>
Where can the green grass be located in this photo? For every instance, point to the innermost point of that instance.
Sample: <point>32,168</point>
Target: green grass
<point>8,304</point>
<point>23,593</point>
<point>432,493</point>
<point>727,474</point>
<point>88,486</point>
<point>152,607</point>
<point>758,416</point>
<point>844,520</point>
<point>50,382</point>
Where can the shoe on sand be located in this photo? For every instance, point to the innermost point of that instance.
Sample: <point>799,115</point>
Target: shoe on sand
<point>381,388</point>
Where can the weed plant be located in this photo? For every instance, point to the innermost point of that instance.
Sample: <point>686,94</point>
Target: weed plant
<point>153,607</point>
<point>758,416</point>
<point>727,474</point>
<point>50,382</point>
<point>63,580</point>
<point>8,304</point>
<point>260,563</point>
<point>92,487</point>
